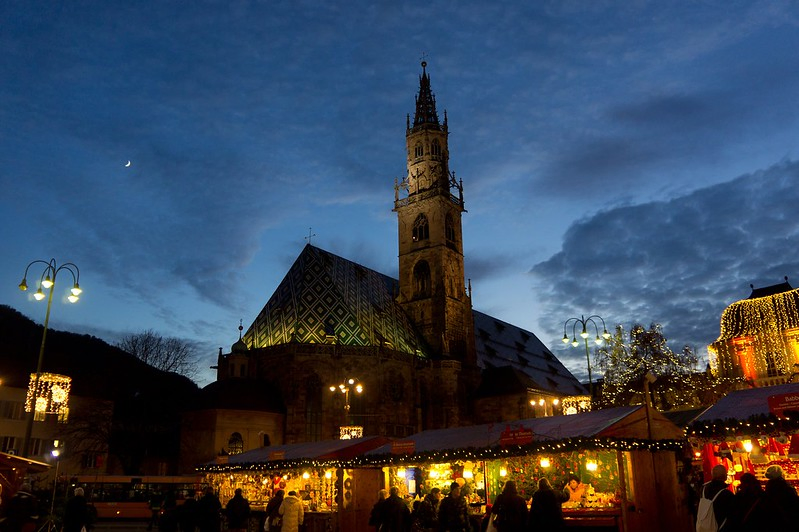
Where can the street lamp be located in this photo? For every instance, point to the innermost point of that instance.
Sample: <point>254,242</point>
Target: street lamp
<point>583,322</point>
<point>350,385</point>
<point>47,280</point>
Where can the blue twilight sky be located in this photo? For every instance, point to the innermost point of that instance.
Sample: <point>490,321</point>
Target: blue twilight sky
<point>633,159</point>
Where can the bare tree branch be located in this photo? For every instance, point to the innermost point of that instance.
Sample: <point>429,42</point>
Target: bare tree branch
<point>167,354</point>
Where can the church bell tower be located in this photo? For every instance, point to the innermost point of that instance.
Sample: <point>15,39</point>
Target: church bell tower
<point>429,204</point>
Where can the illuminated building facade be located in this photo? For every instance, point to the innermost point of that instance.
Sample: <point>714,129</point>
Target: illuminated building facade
<point>425,358</point>
<point>759,338</point>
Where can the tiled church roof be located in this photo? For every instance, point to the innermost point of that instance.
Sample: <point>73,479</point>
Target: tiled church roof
<point>324,294</point>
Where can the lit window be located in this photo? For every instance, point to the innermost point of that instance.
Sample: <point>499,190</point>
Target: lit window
<point>235,444</point>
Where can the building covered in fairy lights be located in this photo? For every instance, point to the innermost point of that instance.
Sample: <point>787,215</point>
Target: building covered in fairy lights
<point>759,338</point>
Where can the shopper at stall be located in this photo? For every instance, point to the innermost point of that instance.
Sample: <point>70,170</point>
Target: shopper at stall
<point>751,512</point>
<point>237,512</point>
<point>187,514</point>
<point>546,512</point>
<point>394,515</point>
<point>427,514</point>
<point>715,497</point>
<point>272,512</point>
<point>453,513</point>
<point>510,509</point>
<point>209,517</point>
<point>376,515</point>
<point>783,497</point>
<point>291,513</point>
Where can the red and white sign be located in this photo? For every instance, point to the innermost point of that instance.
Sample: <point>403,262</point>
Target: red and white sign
<point>777,404</point>
<point>517,436</point>
<point>403,447</point>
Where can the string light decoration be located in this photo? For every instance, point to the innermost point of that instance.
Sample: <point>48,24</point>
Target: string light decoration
<point>759,337</point>
<point>451,455</point>
<point>51,392</point>
<point>350,432</point>
<point>575,404</point>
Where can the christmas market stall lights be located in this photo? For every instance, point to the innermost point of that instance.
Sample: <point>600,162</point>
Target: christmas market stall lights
<point>749,430</point>
<point>316,471</point>
<point>624,458</point>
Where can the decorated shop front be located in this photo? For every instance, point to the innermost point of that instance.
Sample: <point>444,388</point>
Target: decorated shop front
<point>623,462</point>
<point>749,430</point>
<point>315,471</point>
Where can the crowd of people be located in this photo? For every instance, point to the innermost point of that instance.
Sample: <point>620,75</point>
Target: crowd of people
<point>509,512</point>
<point>751,508</point>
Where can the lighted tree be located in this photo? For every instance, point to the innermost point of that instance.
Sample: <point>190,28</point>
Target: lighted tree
<point>626,359</point>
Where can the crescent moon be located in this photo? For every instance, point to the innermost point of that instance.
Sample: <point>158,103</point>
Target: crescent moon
<point>127,165</point>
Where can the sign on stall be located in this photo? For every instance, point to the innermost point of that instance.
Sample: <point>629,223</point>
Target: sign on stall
<point>778,404</point>
<point>517,436</point>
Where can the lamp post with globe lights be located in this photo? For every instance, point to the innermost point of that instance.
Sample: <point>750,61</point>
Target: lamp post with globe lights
<point>349,431</point>
<point>584,323</point>
<point>47,280</point>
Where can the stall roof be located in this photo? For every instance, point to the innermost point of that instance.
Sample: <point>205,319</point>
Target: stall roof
<point>744,404</point>
<point>292,452</point>
<point>599,423</point>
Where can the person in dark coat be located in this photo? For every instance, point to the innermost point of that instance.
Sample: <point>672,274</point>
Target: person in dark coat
<point>376,515</point>
<point>76,513</point>
<point>427,514</point>
<point>187,514</point>
<point>546,510</point>
<point>209,511</point>
<point>395,515</point>
<point>722,507</point>
<point>272,512</point>
<point>510,509</point>
<point>22,512</point>
<point>782,496</point>
<point>453,513</point>
<point>238,513</point>
<point>751,512</point>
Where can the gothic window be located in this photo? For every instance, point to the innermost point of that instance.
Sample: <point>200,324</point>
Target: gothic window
<point>435,148</point>
<point>267,440</point>
<point>235,444</point>
<point>421,277</point>
<point>421,229</point>
<point>418,151</point>
<point>449,228</point>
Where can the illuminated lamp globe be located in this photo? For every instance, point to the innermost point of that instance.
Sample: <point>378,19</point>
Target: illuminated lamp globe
<point>39,295</point>
<point>47,283</point>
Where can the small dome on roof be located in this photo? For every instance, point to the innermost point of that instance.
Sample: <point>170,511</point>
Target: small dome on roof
<point>239,347</point>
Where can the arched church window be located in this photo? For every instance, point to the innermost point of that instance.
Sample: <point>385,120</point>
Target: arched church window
<point>421,278</point>
<point>449,228</point>
<point>235,444</point>
<point>418,151</point>
<point>435,148</point>
<point>421,229</point>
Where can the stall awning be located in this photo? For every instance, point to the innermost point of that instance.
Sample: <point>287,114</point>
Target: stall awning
<point>297,454</point>
<point>13,468</point>
<point>744,404</point>
<point>613,427</point>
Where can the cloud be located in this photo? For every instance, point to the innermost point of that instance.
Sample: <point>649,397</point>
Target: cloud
<point>678,262</point>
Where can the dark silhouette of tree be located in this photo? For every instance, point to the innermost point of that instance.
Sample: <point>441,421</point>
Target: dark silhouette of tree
<point>167,354</point>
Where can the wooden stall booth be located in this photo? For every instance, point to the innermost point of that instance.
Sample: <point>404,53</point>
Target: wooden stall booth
<point>13,470</point>
<point>317,471</point>
<point>624,457</point>
<point>749,430</point>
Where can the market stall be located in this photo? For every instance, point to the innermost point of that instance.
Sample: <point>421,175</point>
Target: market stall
<point>624,457</point>
<point>315,470</point>
<point>749,430</point>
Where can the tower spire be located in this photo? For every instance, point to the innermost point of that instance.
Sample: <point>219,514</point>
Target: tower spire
<point>425,103</point>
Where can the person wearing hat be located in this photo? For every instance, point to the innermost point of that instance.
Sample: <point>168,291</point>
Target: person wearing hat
<point>453,513</point>
<point>782,496</point>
